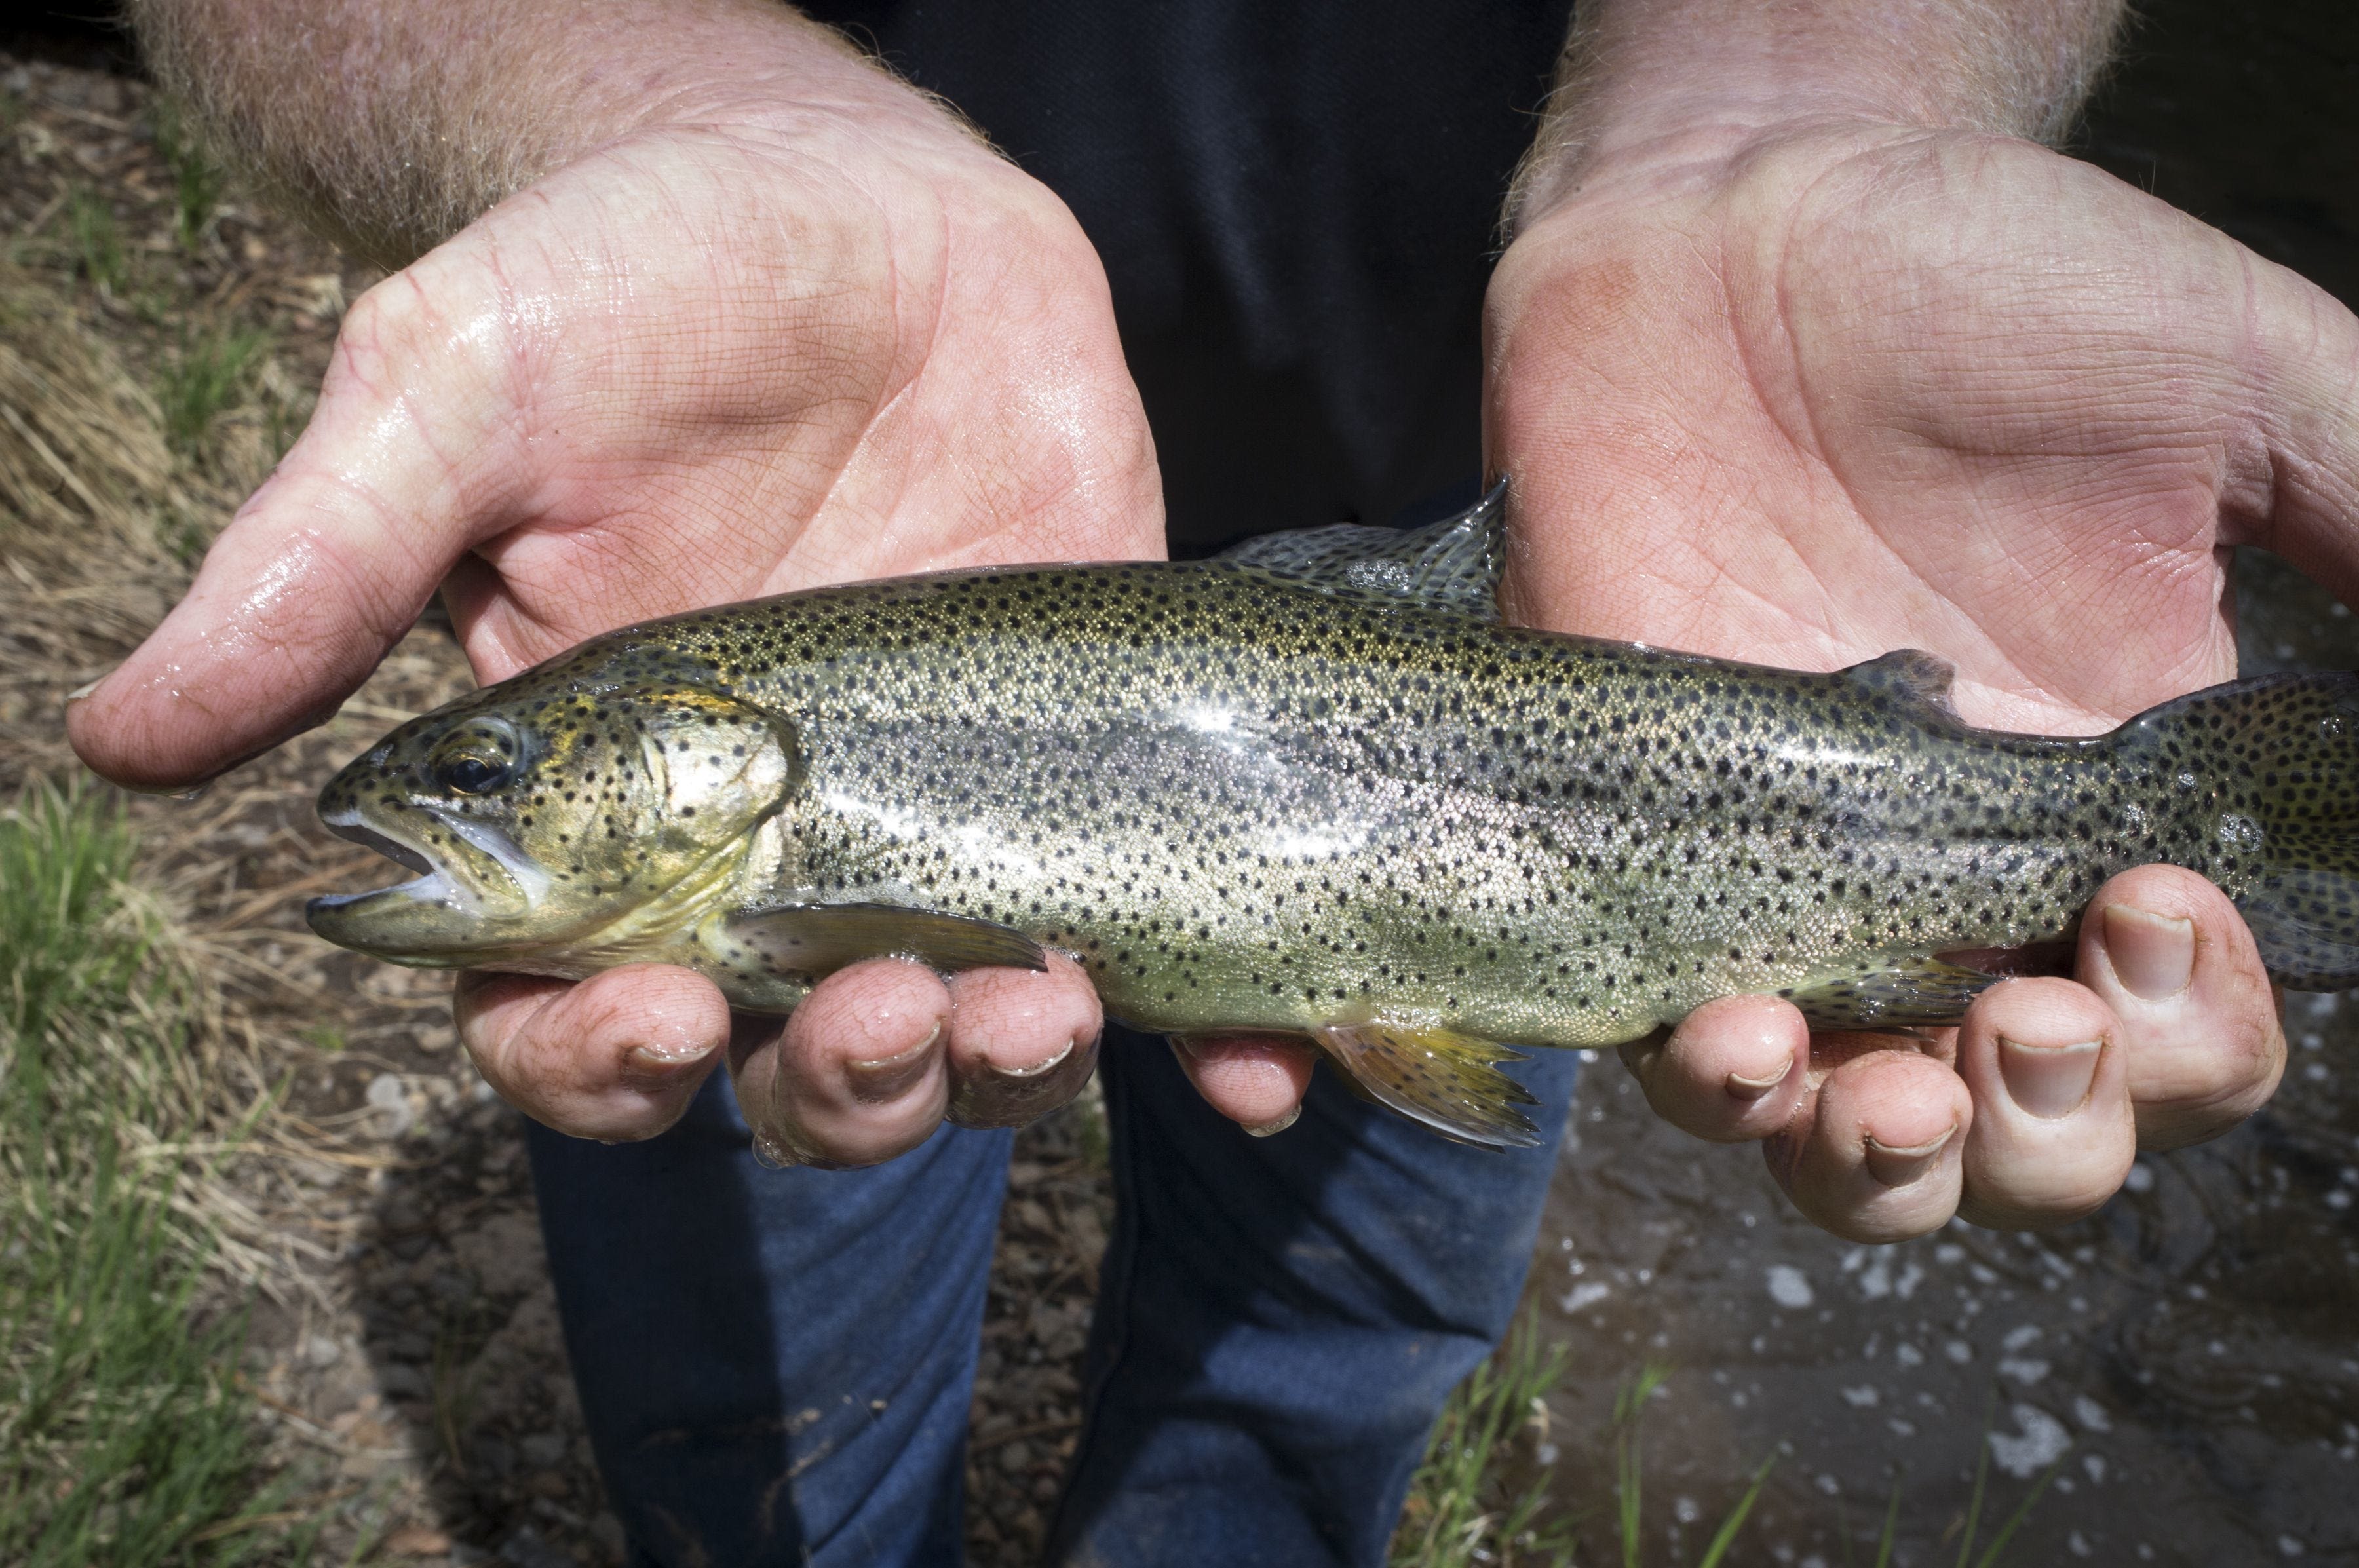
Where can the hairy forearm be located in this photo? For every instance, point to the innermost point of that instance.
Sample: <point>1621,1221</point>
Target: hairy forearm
<point>1643,78</point>
<point>393,125</point>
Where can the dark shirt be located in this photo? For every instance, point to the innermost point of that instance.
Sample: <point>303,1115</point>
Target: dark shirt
<point>1297,208</point>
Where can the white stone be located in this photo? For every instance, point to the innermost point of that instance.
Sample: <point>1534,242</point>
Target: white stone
<point>1788,1287</point>
<point>2041,1441</point>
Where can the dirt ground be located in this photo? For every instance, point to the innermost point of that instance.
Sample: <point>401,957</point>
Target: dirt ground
<point>405,1349</point>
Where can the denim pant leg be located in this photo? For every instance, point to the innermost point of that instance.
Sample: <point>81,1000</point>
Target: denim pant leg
<point>776,1365</point>
<point>1280,1319</point>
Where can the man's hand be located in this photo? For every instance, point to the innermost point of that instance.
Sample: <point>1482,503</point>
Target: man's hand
<point>1826,389</point>
<point>775,320</point>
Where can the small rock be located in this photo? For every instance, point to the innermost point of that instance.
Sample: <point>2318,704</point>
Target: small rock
<point>2042,1441</point>
<point>1788,1286</point>
<point>542,1449</point>
<point>391,1102</point>
<point>417,1540</point>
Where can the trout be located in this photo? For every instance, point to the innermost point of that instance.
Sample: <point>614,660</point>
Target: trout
<point>1315,786</point>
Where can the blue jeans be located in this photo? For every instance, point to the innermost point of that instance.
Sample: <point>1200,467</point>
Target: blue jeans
<point>776,1365</point>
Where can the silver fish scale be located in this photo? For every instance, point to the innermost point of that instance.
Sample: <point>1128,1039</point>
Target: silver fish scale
<point>1249,805</point>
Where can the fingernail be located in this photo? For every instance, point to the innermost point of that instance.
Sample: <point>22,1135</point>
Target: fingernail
<point>1005,1096</point>
<point>87,687</point>
<point>1745,1088</point>
<point>888,1078</point>
<point>1038,1068</point>
<point>1267,1128</point>
<point>658,1058</point>
<point>2153,955</point>
<point>1898,1167</point>
<point>2049,1081</point>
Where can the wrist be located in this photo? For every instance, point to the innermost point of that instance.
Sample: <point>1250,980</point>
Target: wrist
<point>774,72</point>
<point>392,128</point>
<point>1655,94</point>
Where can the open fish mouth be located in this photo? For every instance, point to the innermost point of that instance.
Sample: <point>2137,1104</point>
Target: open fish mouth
<point>432,884</point>
<point>497,866</point>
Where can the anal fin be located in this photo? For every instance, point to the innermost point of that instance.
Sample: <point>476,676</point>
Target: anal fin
<point>1443,1079</point>
<point>1908,994</point>
<point>820,939</point>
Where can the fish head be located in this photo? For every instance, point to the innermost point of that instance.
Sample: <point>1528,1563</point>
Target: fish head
<point>539,815</point>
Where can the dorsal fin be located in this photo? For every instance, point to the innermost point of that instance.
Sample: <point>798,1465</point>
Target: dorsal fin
<point>1910,675</point>
<point>1452,566</point>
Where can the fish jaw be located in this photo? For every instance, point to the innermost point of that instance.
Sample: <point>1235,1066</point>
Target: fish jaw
<point>474,891</point>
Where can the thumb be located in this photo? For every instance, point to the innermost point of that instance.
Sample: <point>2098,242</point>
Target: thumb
<point>328,562</point>
<point>2302,496</point>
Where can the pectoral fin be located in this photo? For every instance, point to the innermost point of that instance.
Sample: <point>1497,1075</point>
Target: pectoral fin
<point>1430,1075</point>
<point>820,939</point>
<point>1920,992</point>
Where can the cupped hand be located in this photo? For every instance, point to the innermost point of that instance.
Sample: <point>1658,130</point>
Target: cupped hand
<point>1844,388</point>
<point>703,362</point>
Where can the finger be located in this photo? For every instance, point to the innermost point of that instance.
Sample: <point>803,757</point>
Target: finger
<point>405,460</point>
<point>855,1077</point>
<point>2169,954</point>
<point>1733,1071</point>
<point>1874,1156</point>
<point>2052,1135</point>
<point>1022,1043</point>
<point>615,1057</point>
<point>1255,1081</point>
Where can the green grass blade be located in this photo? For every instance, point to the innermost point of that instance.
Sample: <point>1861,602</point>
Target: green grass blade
<point>1989,1558</point>
<point>1459,1511</point>
<point>1726,1535</point>
<point>197,179</point>
<point>1981,1478</point>
<point>205,380</point>
<point>125,1437</point>
<point>1889,1539</point>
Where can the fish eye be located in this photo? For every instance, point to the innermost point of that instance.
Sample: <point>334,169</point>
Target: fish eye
<point>468,775</point>
<point>478,758</point>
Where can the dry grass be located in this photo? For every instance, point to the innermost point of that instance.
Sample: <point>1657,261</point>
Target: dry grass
<point>85,479</point>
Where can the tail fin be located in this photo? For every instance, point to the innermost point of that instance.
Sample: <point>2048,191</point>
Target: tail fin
<point>2283,753</point>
